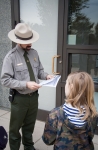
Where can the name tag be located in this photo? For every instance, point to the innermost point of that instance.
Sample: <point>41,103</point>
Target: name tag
<point>20,64</point>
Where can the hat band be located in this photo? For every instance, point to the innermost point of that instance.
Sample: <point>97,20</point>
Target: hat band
<point>24,38</point>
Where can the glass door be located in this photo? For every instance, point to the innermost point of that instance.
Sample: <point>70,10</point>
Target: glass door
<point>42,16</point>
<point>80,49</point>
<point>82,31</point>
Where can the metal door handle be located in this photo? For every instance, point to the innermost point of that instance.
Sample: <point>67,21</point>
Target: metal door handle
<point>56,56</point>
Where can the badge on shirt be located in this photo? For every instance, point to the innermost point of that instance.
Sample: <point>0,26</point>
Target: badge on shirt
<point>35,59</point>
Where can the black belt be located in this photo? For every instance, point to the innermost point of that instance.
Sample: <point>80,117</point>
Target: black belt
<point>30,94</point>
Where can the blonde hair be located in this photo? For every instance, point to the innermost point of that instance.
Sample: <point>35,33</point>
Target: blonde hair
<point>82,93</point>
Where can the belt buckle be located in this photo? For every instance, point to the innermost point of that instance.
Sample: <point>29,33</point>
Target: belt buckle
<point>29,94</point>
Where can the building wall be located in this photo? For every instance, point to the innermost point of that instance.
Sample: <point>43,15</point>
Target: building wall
<point>5,44</point>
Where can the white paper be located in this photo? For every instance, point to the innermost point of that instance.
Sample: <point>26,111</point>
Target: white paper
<point>51,82</point>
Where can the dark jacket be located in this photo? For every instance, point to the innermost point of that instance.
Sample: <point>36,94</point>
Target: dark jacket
<point>3,138</point>
<point>64,135</point>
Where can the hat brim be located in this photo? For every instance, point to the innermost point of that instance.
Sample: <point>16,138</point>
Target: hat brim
<point>13,38</point>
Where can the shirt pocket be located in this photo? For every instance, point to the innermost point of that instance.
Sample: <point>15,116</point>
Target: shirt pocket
<point>21,73</point>
<point>36,68</point>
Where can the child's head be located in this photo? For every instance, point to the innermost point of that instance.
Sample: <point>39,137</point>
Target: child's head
<point>79,91</point>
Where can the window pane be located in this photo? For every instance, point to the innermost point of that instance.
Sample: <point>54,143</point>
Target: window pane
<point>96,100</point>
<point>83,22</point>
<point>87,63</point>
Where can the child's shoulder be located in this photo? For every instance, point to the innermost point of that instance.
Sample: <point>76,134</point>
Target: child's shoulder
<point>57,109</point>
<point>56,112</point>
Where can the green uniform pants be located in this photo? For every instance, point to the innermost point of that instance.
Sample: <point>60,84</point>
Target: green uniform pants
<point>23,115</point>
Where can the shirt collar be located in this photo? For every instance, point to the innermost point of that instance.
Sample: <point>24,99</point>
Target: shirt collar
<point>20,50</point>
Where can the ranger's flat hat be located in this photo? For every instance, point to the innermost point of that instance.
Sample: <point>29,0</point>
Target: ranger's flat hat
<point>23,34</point>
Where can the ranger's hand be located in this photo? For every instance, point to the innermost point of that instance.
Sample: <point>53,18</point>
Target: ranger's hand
<point>49,76</point>
<point>33,85</point>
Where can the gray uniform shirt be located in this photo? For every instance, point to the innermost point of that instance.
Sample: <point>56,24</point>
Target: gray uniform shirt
<point>15,73</point>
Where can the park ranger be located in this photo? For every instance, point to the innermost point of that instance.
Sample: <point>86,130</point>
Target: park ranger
<point>20,72</point>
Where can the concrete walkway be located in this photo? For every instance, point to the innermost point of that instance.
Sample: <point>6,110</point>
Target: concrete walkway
<point>39,127</point>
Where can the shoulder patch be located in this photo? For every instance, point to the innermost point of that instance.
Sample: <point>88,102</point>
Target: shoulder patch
<point>11,51</point>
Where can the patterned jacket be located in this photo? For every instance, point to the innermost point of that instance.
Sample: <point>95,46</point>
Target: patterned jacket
<point>64,135</point>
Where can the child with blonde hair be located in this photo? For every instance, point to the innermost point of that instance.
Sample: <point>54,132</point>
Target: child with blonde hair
<point>72,126</point>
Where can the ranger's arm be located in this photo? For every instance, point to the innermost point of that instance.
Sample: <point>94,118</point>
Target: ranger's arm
<point>7,75</point>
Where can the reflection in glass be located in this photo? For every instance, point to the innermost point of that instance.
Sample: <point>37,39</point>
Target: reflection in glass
<point>87,63</point>
<point>96,100</point>
<point>42,16</point>
<point>83,22</point>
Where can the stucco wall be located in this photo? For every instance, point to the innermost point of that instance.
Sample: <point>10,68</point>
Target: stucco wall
<point>5,44</point>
